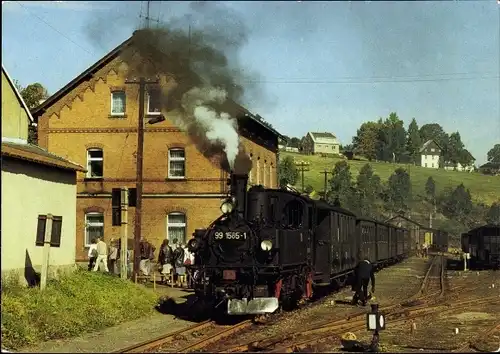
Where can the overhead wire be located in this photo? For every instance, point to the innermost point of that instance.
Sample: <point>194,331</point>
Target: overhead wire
<point>55,29</point>
<point>369,81</point>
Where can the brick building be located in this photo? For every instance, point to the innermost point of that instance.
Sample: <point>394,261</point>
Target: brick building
<point>93,121</point>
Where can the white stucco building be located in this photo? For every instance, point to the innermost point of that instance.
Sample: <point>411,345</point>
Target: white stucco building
<point>34,183</point>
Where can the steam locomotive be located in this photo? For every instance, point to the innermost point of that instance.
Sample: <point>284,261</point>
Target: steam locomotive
<point>273,247</point>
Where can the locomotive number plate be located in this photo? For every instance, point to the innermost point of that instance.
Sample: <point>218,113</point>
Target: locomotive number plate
<point>230,235</point>
<point>229,275</point>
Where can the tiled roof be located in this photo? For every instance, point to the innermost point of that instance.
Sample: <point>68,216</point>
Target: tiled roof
<point>38,155</point>
<point>323,135</point>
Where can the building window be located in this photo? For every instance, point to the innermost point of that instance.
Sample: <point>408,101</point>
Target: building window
<point>176,163</point>
<point>118,103</point>
<point>95,163</point>
<point>176,227</point>
<point>94,227</point>
<point>154,104</point>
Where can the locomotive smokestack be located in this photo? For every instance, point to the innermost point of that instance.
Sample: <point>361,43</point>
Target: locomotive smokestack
<point>238,183</point>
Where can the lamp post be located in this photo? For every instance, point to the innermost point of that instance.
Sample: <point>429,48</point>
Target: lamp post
<point>375,322</point>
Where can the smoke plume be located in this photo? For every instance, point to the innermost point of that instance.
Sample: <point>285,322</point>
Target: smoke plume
<point>196,56</point>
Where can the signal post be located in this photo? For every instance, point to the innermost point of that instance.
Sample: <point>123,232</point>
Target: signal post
<point>124,233</point>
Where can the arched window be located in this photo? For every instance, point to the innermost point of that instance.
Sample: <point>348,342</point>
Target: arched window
<point>94,227</point>
<point>95,163</point>
<point>176,163</point>
<point>176,227</point>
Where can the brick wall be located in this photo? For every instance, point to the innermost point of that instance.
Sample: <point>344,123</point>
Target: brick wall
<point>81,120</point>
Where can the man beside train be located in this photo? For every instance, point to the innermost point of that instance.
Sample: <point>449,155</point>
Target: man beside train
<point>364,272</point>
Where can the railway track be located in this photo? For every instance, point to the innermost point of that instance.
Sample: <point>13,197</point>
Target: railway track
<point>197,337</point>
<point>474,343</point>
<point>300,340</point>
<point>397,314</point>
<point>202,335</point>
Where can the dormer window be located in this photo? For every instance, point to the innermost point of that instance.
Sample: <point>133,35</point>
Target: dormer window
<point>118,100</point>
<point>154,102</point>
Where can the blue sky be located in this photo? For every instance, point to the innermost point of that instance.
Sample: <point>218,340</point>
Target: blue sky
<point>324,66</point>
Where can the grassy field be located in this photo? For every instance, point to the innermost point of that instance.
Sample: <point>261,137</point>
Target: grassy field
<point>74,304</point>
<point>485,189</point>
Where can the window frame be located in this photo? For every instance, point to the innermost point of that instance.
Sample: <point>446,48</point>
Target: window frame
<point>90,159</point>
<point>148,98</point>
<point>119,114</point>
<point>92,213</point>
<point>176,159</point>
<point>177,225</point>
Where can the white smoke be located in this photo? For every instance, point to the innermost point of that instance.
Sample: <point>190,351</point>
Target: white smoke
<point>218,127</point>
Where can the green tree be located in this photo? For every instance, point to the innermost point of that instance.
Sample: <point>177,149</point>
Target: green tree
<point>399,190</point>
<point>287,172</point>
<point>413,142</point>
<point>294,142</point>
<point>494,154</point>
<point>458,205</point>
<point>341,187</point>
<point>32,95</point>
<point>493,214</point>
<point>365,141</point>
<point>430,188</point>
<point>368,185</point>
<point>455,147</point>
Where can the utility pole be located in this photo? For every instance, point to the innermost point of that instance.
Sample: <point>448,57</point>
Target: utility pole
<point>303,168</point>
<point>124,233</point>
<point>326,173</point>
<point>139,171</point>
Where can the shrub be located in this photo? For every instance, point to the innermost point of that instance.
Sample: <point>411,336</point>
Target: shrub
<point>75,303</point>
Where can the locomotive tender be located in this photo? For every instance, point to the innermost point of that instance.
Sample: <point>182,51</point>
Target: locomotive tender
<point>272,247</point>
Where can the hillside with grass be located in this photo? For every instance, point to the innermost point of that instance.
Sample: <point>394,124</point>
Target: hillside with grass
<point>484,189</point>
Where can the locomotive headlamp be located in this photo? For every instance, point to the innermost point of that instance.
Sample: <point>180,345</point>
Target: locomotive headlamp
<point>266,245</point>
<point>226,207</point>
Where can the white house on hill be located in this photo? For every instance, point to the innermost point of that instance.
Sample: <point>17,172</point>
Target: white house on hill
<point>430,154</point>
<point>320,143</point>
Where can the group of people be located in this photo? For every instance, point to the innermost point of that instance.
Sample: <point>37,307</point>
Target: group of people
<point>172,260</point>
<point>102,256</point>
<point>422,251</point>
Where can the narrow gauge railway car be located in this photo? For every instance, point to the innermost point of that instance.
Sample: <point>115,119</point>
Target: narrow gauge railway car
<point>393,246</point>
<point>335,244</point>
<point>367,233</point>
<point>483,244</point>
<point>383,254</point>
<point>399,242</point>
<point>439,241</point>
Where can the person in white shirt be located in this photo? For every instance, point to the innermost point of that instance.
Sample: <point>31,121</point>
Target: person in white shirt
<point>102,255</point>
<point>92,253</point>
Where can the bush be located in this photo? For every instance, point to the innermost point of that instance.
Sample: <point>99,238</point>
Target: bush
<point>80,302</point>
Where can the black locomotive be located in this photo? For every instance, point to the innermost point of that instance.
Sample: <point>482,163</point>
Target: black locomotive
<point>272,247</point>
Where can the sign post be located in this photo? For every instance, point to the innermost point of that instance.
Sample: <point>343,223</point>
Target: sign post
<point>46,252</point>
<point>124,233</point>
